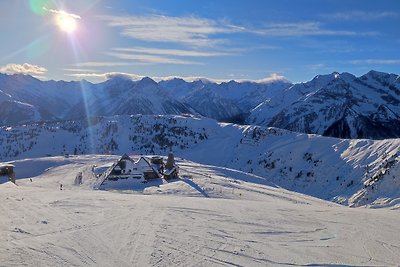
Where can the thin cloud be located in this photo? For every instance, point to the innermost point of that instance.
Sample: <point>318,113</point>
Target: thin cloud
<point>80,70</point>
<point>111,75</point>
<point>376,61</point>
<point>101,64</point>
<point>151,59</point>
<point>85,75</point>
<point>172,52</point>
<point>108,75</point>
<point>360,16</point>
<point>272,78</point>
<point>316,66</point>
<point>304,29</point>
<point>193,31</point>
<point>25,68</point>
<point>104,76</point>
<point>62,12</point>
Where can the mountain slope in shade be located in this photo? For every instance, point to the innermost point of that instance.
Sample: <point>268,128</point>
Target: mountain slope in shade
<point>351,172</point>
<point>121,96</point>
<point>66,100</point>
<point>13,111</point>
<point>339,105</point>
<point>55,98</point>
<point>226,100</point>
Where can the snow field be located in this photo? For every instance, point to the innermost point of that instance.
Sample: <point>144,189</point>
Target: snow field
<point>195,221</point>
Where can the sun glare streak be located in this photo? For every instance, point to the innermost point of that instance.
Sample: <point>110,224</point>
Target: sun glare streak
<point>68,23</point>
<point>85,98</point>
<point>78,56</point>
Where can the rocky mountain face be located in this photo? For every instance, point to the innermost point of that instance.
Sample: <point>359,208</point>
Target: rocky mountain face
<point>339,105</point>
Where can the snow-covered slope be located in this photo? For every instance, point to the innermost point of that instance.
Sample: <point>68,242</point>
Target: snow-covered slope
<point>230,218</point>
<point>339,105</point>
<point>351,172</point>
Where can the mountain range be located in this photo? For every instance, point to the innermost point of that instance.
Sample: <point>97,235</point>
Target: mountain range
<point>337,105</point>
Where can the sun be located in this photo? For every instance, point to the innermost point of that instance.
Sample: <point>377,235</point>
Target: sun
<point>66,23</point>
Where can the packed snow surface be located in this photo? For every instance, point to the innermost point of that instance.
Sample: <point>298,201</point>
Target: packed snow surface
<point>211,216</point>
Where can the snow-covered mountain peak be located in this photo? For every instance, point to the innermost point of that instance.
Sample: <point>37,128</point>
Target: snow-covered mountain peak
<point>320,81</point>
<point>174,81</point>
<point>147,81</point>
<point>383,80</point>
<point>377,74</point>
<point>203,80</point>
<point>348,77</point>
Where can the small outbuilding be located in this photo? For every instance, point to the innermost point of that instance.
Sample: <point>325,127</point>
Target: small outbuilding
<point>171,170</point>
<point>7,169</point>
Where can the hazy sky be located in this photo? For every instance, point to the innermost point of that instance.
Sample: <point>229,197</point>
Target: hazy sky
<point>222,39</point>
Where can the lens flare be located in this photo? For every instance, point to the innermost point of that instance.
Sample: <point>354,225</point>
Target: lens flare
<point>37,6</point>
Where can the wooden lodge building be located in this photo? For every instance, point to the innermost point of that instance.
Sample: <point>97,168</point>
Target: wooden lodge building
<point>126,172</point>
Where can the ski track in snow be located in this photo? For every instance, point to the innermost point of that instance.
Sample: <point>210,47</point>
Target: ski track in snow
<point>243,221</point>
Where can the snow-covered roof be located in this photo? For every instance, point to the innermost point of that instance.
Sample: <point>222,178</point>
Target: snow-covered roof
<point>6,165</point>
<point>169,171</point>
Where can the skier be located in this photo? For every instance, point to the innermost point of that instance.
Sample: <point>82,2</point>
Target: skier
<point>60,186</point>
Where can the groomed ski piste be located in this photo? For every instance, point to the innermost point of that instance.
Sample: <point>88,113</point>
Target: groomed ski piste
<point>210,216</point>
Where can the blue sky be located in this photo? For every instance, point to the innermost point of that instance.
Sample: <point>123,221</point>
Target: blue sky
<point>222,40</point>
